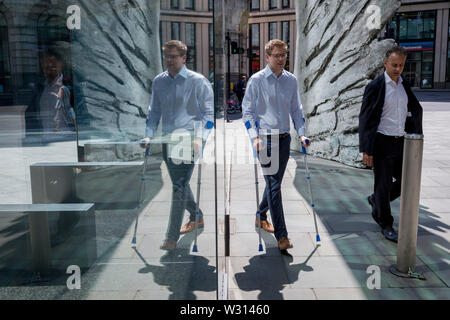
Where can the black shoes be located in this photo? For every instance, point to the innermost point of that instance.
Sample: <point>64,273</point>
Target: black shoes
<point>390,234</point>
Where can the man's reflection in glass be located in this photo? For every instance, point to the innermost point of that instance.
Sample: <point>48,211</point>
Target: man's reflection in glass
<point>184,101</point>
<point>50,109</point>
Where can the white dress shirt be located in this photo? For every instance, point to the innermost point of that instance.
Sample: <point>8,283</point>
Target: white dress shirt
<point>269,100</point>
<point>185,101</point>
<point>47,103</point>
<point>395,109</point>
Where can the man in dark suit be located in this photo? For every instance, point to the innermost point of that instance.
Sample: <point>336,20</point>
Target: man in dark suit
<point>389,110</point>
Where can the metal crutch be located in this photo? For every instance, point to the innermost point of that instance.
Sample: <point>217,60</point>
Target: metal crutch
<point>141,194</point>
<point>310,191</point>
<point>255,166</point>
<point>257,199</point>
<point>197,208</point>
<point>208,126</point>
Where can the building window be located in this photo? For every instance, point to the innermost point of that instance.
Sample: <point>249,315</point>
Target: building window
<point>189,4</point>
<point>273,4</point>
<point>285,3</point>
<point>415,31</point>
<point>175,31</point>
<point>415,25</point>
<point>174,4</point>
<point>254,5</point>
<point>211,52</point>
<point>5,71</point>
<point>285,36</point>
<point>447,78</point>
<point>190,43</point>
<point>254,48</point>
<point>210,5</point>
<point>272,30</point>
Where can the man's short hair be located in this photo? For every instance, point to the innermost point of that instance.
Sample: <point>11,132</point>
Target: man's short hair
<point>275,43</point>
<point>52,53</point>
<point>395,49</point>
<point>180,46</point>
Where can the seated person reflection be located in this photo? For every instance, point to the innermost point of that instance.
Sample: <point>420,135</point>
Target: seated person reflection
<point>184,101</point>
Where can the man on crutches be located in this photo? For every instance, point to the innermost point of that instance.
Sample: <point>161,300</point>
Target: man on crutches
<point>271,96</point>
<point>184,101</point>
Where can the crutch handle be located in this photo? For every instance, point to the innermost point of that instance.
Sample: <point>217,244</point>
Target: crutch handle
<point>303,148</point>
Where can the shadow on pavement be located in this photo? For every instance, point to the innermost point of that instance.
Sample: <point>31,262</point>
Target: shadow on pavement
<point>271,272</point>
<point>182,273</point>
<point>340,198</point>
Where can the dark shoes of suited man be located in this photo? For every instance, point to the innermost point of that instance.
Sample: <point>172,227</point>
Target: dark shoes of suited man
<point>390,234</point>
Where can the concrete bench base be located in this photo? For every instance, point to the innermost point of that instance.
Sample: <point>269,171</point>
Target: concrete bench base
<point>109,185</point>
<point>46,237</point>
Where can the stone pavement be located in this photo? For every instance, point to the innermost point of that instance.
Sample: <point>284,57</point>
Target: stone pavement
<point>350,241</point>
<point>337,269</point>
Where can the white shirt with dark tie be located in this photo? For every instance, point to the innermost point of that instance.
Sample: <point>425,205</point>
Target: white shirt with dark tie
<point>395,109</point>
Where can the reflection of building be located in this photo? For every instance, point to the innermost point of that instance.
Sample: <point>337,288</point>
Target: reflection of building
<point>190,21</point>
<point>27,29</point>
<point>422,27</point>
<point>270,19</point>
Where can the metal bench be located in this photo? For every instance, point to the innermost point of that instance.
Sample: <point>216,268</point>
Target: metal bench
<point>51,236</point>
<point>110,185</point>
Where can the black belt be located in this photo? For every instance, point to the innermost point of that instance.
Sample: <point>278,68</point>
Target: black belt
<point>392,137</point>
<point>280,136</point>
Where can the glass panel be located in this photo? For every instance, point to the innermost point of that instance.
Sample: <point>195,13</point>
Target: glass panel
<point>285,36</point>
<point>285,3</point>
<point>447,79</point>
<point>391,29</point>
<point>414,28</point>
<point>5,71</point>
<point>427,70</point>
<point>428,28</point>
<point>175,31</point>
<point>272,30</point>
<point>273,4</point>
<point>190,42</point>
<point>211,52</point>
<point>412,68</point>
<point>189,4</point>
<point>174,4</point>
<point>79,194</point>
<point>254,4</point>
<point>414,25</point>
<point>403,27</point>
<point>255,51</point>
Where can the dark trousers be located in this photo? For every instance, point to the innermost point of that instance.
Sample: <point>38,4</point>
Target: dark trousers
<point>387,164</point>
<point>182,197</point>
<point>272,193</point>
